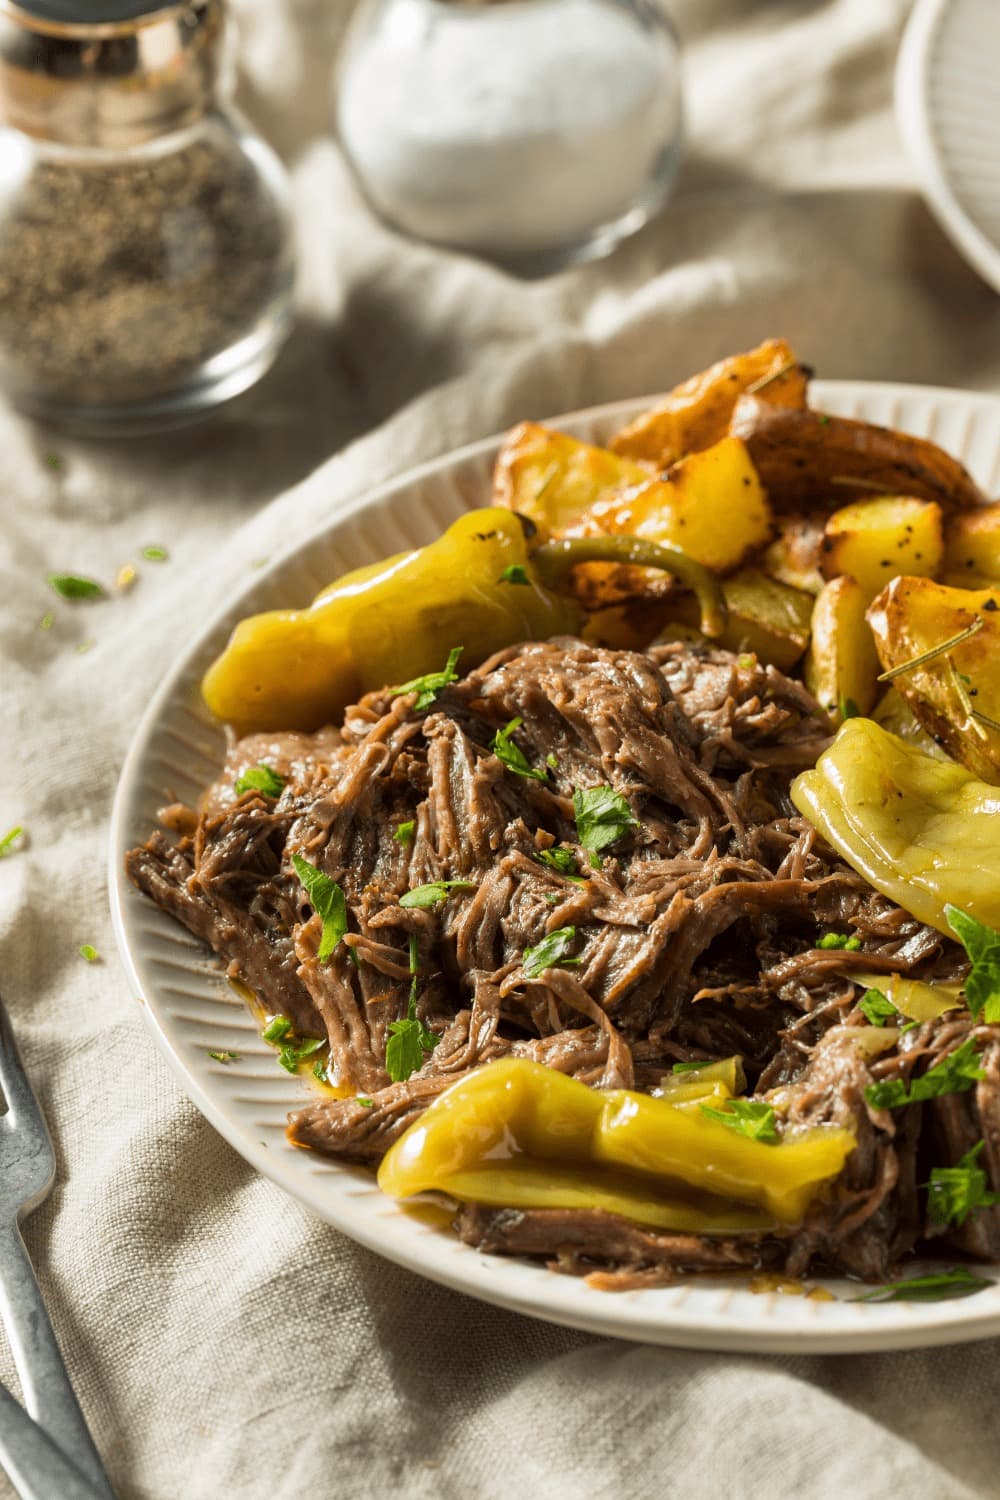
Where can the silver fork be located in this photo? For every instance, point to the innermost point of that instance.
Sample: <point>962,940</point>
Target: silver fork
<point>27,1171</point>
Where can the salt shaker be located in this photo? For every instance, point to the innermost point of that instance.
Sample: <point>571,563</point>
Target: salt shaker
<point>145,254</point>
<point>533,132</point>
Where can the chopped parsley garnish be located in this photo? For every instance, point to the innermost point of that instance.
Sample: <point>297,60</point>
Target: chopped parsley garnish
<point>155,554</point>
<point>89,952</point>
<point>953,1193</point>
<point>319,1070</point>
<point>551,952</point>
<point>327,901</point>
<point>552,761</point>
<point>276,1029</point>
<point>515,573</point>
<point>69,586</point>
<point>405,832</point>
<point>364,1101</point>
<point>260,778</point>
<point>9,839</point>
<point>689,1067</point>
<point>747,660</point>
<point>414,951</point>
<point>410,1040</point>
<point>224,1057</point>
<point>512,756</point>
<point>982,944</point>
<point>954,1074</point>
<point>423,896</point>
<point>941,1286</point>
<point>47,621</point>
<point>602,817</point>
<point>749,1117</point>
<point>293,1053</point>
<point>561,860</point>
<point>839,940</point>
<point>432,683</point>
<point>877,1008</point>
<point>848,708</point>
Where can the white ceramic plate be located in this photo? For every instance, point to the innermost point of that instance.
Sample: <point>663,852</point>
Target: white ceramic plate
<point>948,107</point>
<point>177,750</point>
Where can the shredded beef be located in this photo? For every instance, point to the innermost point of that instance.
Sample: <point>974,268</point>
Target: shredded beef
<point>696,937</point>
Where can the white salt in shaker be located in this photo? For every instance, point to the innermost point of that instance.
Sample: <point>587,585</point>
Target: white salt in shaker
<point>532,132</point>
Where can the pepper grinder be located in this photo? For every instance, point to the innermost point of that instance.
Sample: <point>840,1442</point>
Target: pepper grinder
<point>145,254</point>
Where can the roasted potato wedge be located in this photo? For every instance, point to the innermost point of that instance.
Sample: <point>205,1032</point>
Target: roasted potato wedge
<point>842,665</point>
<point>696,414</point>
<point>794,555</point>
<point>711,505</point>
<point>554,479</point>
<point>874,540</point>
<point>629,626</point>
<point>806,459</point>
<point>764,616</point>
<point>972,548</point>
<point>912,619</point>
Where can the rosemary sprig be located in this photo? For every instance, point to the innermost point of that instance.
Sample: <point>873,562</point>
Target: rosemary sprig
<point>926,656</point>
<point>962,694</point>
<point>985,719</point>
<point>766,380</point>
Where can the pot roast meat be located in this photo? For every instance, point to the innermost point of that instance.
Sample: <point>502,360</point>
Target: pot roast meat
<point>695,937</point>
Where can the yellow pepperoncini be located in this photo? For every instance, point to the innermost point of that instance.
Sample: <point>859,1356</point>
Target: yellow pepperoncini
<point>482,585</point>
<point>920,830</point>
<point>517,1134</point>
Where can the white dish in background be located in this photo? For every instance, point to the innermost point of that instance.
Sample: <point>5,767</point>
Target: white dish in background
<point>948,108</point>
<point>177,749</point>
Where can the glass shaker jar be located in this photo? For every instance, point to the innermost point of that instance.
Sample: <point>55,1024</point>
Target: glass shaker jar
<point>145,254</point>
<point>532,132</point>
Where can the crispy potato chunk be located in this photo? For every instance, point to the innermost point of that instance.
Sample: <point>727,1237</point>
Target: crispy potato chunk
<point>842,665</point>
<point>946,690</point>
<point>806,459</point>
<point>764,616</point>
<point>554,479</point>
<point>794,555</point>
<point>696,414</point>
<point>711,505</point>
<point>972,548</point>
<point>874,540</point>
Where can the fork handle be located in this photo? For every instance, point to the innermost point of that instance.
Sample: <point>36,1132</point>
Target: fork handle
<point>37,1469</point>
<point>48,1394</point>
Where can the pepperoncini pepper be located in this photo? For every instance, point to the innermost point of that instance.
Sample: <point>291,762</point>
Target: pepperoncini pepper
<point>518,1134</point>
<point>482,586</point>
<point>922,831</point>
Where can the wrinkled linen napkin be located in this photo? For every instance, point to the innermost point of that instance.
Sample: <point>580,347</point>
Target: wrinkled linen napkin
<point>223,1342</point>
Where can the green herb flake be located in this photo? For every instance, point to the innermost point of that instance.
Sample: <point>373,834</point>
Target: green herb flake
<point>848,708</point>
<point>47,621</point>
<point>53,461</point>
<point>747,660</point>
<point>424,896</point>
<point>84,646</point>
<point>319,1070</point>
<point>690,1067</point>
<point>409,1040</point>
<point>293,1053</point>
<point>406,832</point>
<point>414,965</point>
<point>327,901</point>
<point>602,817</point>
<point>839,940</point>
<point>942,1286</point>
<point>982,944</point>
<point>224,1057</point>
<point>552,761</point>
<point>89,952</point>
<point>953,1193</point>
<point>70,586</point>
<point>512,756</point>
<point>155,554</point>
<point>432,683</point>
<point>9,839</point>
<point>562,860</point>
<point>749,1117</point>
<point>276,1029</point>
<point>515,573</point>
<point>550,953</point>
<point>954,1074</point>
<point>364,1101</point>
<point>260,778</point>
<point>877,1008</point>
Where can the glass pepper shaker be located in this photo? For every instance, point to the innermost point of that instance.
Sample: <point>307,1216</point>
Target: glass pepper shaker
<point>145,254</point>
<point>532,132</point>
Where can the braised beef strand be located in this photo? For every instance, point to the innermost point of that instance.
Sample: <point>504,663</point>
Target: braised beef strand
<point>697,934</point>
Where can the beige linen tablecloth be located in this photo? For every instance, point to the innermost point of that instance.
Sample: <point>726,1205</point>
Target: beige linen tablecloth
<point>223,1342</point>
